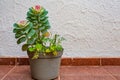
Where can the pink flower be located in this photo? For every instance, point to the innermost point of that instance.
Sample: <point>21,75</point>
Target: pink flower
<point>37,8</point>
<point>22,22</point>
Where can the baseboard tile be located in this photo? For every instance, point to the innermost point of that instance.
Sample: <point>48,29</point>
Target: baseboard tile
<point>67,61</point>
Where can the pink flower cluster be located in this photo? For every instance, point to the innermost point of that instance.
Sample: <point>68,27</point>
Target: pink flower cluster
<point>37,8</point>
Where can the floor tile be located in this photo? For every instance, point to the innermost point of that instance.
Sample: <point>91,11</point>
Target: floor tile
<point>113,69</point>
<point>117,77</point>
<point>19,73</point>
<point>97,70</point>
<point>85,73</point>
<point>86,77</point>
<point>73,70</point>
<point>66,73</point>
<point>4,70</point>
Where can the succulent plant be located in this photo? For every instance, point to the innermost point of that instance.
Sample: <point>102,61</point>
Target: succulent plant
<point>34,33</point>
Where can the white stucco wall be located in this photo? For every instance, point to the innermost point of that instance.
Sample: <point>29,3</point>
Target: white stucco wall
<point>91,27</point>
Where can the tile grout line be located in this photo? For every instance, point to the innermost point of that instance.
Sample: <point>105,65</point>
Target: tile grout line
<point>110,74</point>
<point>8,72</point>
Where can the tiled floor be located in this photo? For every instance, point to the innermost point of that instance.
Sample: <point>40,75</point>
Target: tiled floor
<point>66,73</point>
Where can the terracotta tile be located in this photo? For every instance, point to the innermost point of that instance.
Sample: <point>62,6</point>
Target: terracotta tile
<point>84,73</point>
<point>73,70</point>
<point>86,61</point>
<point>110,61</point>
<point>4,70</point>
<point>22,61</point>
<point>19,73</point>
<point>117,77</point>
<point>114,70</point>
<point>97,70</point>
<point>7,61</point>
<point>66,61</point>
<point>87,77</point>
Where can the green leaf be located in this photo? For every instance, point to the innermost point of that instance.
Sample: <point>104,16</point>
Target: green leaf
<point>46,24</point>
<point>55,53</point>
<point>47,51</point>
<point>31,33</point>
<point>41,28</point>
<point>44,31</point>
<point>38,46</point>
<point>43,18</point>
<point>59,48</point>
<point>15,25</point>
<point>30,25</point>
<point>31,41</point>
<point>36,55</point>
<point>31,49</point>
<point>45,21</point>
<point>25,47</point>
<point>17,35</point>
<point>47,27</point>
<point>20,40</point>
<point>52,48</point>
<point>27,29</point>
<point>15,30</point>
<point>31,10</point>
<point>29,14</point>
<point>34,18</point>
<point>44,13</point>
<point>29,19</point>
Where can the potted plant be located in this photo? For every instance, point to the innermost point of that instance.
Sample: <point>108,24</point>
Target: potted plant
<point>43,48</point>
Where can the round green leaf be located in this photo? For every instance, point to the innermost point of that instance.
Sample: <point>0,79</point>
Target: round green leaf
<point>20,40</point>
<point>25,47</point>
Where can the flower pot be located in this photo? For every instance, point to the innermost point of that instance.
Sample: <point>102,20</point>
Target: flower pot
<point>45,67</point>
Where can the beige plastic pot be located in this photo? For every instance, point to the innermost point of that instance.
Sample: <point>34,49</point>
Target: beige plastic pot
<point>46,67</point>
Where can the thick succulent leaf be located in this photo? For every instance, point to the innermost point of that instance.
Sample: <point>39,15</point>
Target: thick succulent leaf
<point>25,47</point>
<point>17,35</point>
<point>44,31</point>
<point>27,29</point>
<point>20,40</point>
<point>29,14</point>
<point>44,13</point>
<point>31,10</point>
<point>33,18</point>
<point>31,40</point>
<point>42,28</point>
<point>45,21</point>
<point>16,26</point>
<point>30,25</point>
<point>15,30</point>
<point>46,24</point>
<point>47,27</point>
<point>43,18</point>
<point>31,33</point>
<point>29,19</point>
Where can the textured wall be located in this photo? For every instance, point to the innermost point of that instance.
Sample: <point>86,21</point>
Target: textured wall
<point>91,27</point>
